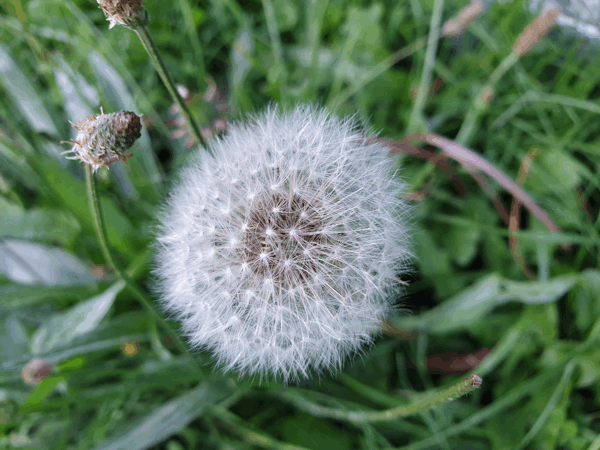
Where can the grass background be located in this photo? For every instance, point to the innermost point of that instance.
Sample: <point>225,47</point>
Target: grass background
<point>118,383</point>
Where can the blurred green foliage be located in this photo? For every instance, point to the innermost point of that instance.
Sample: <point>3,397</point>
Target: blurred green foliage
<point>59,63</point>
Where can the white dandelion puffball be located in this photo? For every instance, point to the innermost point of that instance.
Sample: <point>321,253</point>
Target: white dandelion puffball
<point>282,252</point>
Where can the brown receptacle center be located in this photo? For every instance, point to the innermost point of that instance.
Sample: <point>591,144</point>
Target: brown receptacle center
<point>285,237</point>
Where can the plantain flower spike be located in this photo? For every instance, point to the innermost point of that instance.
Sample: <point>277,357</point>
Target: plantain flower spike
<point>129,13</point>
<point>105,138</point>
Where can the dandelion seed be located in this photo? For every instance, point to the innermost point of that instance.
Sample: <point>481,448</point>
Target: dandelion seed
<point>315,261</point>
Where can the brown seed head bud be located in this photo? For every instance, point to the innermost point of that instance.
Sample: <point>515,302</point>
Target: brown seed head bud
<point>105,138</point>
<point>129,13</point>
<point>487,94</point>
<point>36,371</point>
<point>536,30</point>
<point>459,24</point>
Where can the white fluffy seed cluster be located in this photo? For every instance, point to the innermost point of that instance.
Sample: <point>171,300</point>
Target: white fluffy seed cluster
<point>283,252</point>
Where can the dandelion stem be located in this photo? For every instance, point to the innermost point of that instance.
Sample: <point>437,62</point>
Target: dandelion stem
<point>416,116</point>
<point>100,228</point>
<point>152,51</point>
<point>424,404</point>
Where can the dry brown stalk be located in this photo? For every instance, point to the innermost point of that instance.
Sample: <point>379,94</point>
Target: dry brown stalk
<point>453,363</point>
<point>471,160</point>
<point>438,160</point>
<point>459,24</point>
<point>515,217</point>
<point>536,30</point>
<point>491,194</point>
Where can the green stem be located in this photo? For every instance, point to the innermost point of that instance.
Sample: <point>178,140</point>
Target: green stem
<point>468,127</point>
<point>479,105</point>
<point>280,78</point>
<point>416,116</point>
<point>257,438</point>
<point>424,404</point>
<point>381,67</point>
<point>152,51</point>
<point>100,228</point>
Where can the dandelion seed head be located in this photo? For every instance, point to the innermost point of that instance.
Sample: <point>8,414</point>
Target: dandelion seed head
<point>320,240</point>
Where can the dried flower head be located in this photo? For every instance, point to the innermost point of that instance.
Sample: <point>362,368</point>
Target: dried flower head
<point>535,31</point>
<point>283,251</point>
<point>36,371</point>
<point>105,138</point>
<point>468,14</point>
<point>129,13</point>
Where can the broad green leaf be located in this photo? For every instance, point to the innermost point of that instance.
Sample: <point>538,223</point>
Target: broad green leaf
<point>76,80</point>
<point>13,339</point>
<point>553,171</point>
<point>24,95</point>
<point>42,391</point>
<point>462,243</point>
<point>314,433</point>
<point>46,225</point>
<point>11,369</point>
<point>13,165</point>
<point>166,420</point>
<point>75,107</point>
<point>588,360</point>
<point>80,319</point>
<point>72,195</point>
<point>31,263</point>
<point>14,296</point>
<point>455,313</point>
<point>434,263</point>
<point>96,346</point>
<point>537,292</point>
<point>585,300</point>
<point>476,301</point>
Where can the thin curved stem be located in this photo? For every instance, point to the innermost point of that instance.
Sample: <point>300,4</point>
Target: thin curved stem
<point>415,121</point>
<point>479,104</point>
<point>239,427</point>
<point>160,67</point>
<point>426,403</point>
<point>100,228</point>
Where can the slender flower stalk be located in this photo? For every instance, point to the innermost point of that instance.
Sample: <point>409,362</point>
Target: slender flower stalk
<point>101,141</point>
<point>133,15</point>
<point>427,402</point>
<point>523,44</point>
<point>100,229</point>
<point>166,78</point>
